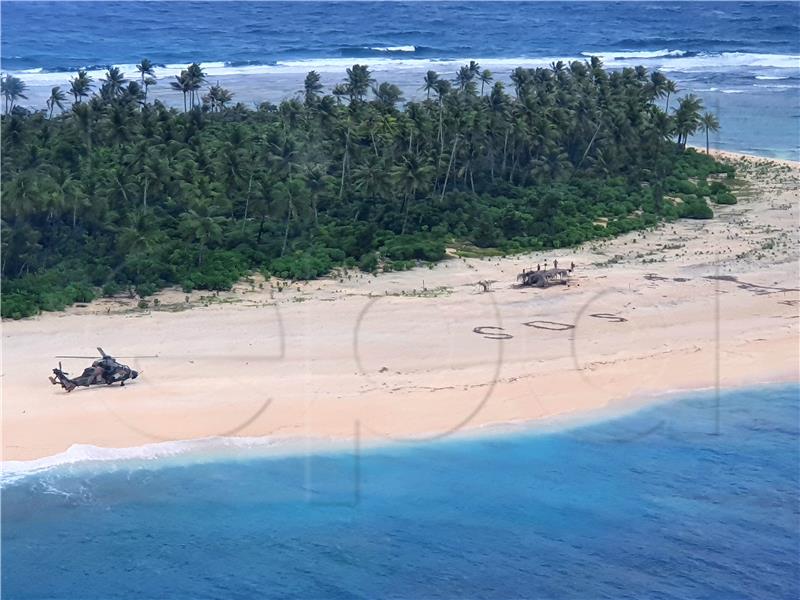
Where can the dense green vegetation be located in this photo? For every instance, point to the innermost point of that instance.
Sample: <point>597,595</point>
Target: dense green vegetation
<point>117,193</point>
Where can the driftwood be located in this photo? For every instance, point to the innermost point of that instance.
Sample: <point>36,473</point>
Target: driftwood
<point>486,284</point>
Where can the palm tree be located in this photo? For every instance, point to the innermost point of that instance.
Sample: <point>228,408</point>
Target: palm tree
<point>240,187</point>
<point>658,82</point>
<point>387,95</point>
<point>147,71</point>
<point>13,89</point>
<point>709,122</point>
<point>113,83</point>
<point>80,86</point>
<point>312,86</point>
<point>687,117</point>
<point>201,227</point>
<point>520,77</point>
<point>464,79</point>
<point>411,175</point>
<point>558,67</point>
<point>339,91</point>
<point>83,119</point>
<point>371,179</point>
<point>218,97</point>
<point>197,78</point>
<point>183,83</point>
<point>57,98</point>
<point>669,87</point>
<point>358,81</point>
<point>133,92</point>
<point>485,77</point>
<point>223,97</point>
<point>431,80</point>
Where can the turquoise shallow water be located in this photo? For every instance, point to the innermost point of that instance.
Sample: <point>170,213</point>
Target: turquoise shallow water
<point>687,499</point>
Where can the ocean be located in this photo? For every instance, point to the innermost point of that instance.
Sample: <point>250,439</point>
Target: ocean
<point>742,58</point>
<point>695,497</point>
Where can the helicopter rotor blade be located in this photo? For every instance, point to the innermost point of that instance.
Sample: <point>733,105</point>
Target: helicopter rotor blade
<point>139,356</point>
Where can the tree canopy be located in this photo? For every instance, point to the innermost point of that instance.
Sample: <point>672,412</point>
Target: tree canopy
<point>120,193</point>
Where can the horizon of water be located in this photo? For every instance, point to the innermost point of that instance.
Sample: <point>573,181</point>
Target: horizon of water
<point>694,497</point>
<point>742,58</point>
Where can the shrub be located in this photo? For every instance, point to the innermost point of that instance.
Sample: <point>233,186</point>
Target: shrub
<point>301,265</point>
<point>111,289</point>
<point>369,262</point>
<point>414,247</point>
<point>17,306</point>
<point>696,209</point>
<point>146,289</point>
<point>724,198</point>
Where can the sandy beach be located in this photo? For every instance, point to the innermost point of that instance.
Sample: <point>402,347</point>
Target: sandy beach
<point>427,353</point>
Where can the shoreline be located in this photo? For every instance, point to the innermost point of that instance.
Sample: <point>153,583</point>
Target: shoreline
<point>178,453</point>
<point>734,155</point>
<point>401,356</point>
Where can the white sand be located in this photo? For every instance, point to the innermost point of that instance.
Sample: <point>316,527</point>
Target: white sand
<point>320,359</point>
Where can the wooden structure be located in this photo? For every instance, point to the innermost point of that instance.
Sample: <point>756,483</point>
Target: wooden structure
<point>544,278</point>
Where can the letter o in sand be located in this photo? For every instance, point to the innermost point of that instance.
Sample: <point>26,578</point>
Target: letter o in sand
<point>549,325</point>
<point>498,333</point>
<point>609,317</point>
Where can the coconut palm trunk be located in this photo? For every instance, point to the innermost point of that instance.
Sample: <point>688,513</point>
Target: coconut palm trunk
<point>449,165</point>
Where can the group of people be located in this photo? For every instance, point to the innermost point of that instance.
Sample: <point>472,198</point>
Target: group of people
<point>555,265</point>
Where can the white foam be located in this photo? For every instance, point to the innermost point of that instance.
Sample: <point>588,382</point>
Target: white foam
<point>665,60</point>
<point>194,451</point>
<point>775,86</point>
<point>611,55</point>
<point>731,60</point>
<point>771,77</point>
<point>394,48</point>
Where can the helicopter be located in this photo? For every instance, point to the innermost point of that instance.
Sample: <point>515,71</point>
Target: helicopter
<point>104,371</point>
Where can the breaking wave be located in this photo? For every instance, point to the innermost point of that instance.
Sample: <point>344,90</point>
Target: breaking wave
<point>394,48</point>
<point>87,457</point>
<point>644,54</point>
<point>390,58</point>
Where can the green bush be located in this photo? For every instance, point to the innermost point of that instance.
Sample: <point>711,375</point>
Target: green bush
<point>301,266</point>
<point>18,306</point>
<point>409,247</point>
<point>110,289</point>
<point>146,289</point>
<point>724,198</point>
<point>369,262</point>
<point>697,209</point>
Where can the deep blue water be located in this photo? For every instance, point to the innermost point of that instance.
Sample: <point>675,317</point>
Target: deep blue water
<point>680,500</point>
<point>742,58</point>
<point>66,35</point>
